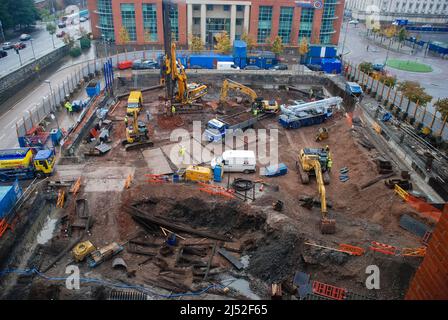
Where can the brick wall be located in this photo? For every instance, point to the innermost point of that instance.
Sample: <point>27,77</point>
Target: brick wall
<point>430,282</point>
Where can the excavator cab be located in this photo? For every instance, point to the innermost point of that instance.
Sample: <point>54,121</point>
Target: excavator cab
<point>136,134</point>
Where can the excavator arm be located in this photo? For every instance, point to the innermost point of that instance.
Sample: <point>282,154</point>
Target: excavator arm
<point>230,84</point>
<point>321,187</point>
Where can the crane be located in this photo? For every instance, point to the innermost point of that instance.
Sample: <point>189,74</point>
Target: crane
<point>258,103</point>
<point>324,105</point>
<point>310,162</point>
<point>172,72</point>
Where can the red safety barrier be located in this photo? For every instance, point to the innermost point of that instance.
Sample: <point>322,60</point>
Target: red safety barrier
<point>328,291</point>
<point>352,250</point>
<point>383,248</point>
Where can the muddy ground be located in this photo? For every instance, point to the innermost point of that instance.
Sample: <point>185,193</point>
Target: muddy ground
<point>275,242</point>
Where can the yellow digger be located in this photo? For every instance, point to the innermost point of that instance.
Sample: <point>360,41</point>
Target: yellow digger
<point>267,106</point>
<point>316,162</point>
<point>136,134</point>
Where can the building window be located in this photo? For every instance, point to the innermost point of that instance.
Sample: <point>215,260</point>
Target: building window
<point>174,15</point>
<point>226,7</point>
<point>238,22</point>
<point>196,7</point>
<point>328,17</point>
<point>209,7</point>
<point>106,21</point>
<point>264,24</point>
<point>306,23</point>
<point>197,20</point>
<point>214,26</point>
<point>128,19</point>
<point>239,8</point>
<point>150,22</point>
<point>285,23</point>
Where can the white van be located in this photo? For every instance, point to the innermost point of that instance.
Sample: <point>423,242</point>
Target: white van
<point>226,65</point>
<point>236,161</point>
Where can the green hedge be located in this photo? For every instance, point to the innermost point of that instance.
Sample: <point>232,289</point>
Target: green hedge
<point>75,52</point>
<point>85,43</point>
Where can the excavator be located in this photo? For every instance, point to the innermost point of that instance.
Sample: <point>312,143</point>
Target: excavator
<point>315,162</point>
<point>172,72</point>
<point>267,106</point>
<point>136,134</point>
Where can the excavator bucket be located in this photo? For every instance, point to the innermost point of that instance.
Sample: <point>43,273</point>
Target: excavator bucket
<point>327,226</point>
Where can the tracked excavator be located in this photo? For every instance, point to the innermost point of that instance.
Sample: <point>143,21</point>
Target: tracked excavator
<point>172,72</point>
<point>314,162</point>
<point>136,134</point>
<point>267,106</point>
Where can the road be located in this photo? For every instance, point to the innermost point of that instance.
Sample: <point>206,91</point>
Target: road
<point>41,43</point>
<point>356,51</point>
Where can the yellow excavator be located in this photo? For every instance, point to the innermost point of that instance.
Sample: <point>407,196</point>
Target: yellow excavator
<point>267,106</point>
<point>172,72</point>
<point>136,134</point>
<point>316,162</point>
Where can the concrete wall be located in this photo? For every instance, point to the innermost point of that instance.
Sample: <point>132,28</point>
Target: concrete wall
<point>11,83</point>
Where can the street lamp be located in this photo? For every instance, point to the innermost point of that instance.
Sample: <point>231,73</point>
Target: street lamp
<point>32,48</point>
<point>52,93</point>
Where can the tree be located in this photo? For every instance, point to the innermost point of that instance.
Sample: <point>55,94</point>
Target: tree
<point>223,44</point>
<point>403,34</point>
<point>75,52</point>
<point>196,44</point>
<point>51,28</point>
<point>414,92</point>
<point>389,81</point>
<point>366,67</point>
<point>124,35</point>
<point>303,48</point>
<point>442,107</point>
<point>68,40</point>
<point>277,46</point>
<point>250,41</point>
<point>20,13</point>
<point>390,33</point>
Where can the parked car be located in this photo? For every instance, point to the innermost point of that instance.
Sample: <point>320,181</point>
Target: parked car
<point>252,68</point>
<point>196,67</point>
<point>280,66</point>
<point>353,22</point>
<point>7,45</point>
<point>82,19</point>
<point>122,65</point>
<point>19,45</point>
<point>60,33</point>
<point>3,53</point>
<point>61,24</point>
<point>145,64</point>
<point>314,67</point>
<point>25,37</point>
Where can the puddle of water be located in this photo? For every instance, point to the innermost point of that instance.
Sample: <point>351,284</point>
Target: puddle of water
<point>47,231</point>
<point>241,286</point>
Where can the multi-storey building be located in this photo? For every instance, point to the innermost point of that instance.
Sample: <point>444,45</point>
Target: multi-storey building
<point>318,20</point>
<point>416,11</point>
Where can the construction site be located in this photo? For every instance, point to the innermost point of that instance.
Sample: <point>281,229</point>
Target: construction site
<point>144,200</point>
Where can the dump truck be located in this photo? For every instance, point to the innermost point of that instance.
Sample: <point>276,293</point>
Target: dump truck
<point>26,163</point>
<point>217,128</point>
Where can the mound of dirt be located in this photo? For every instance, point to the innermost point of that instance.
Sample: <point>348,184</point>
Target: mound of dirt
<point>276,257</point>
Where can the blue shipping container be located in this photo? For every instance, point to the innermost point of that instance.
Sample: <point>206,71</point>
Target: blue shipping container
<point>239,49</point>
<point>262,59</point>
<point>8,198</point>
<point>331,65</point>
<point>207,61</point>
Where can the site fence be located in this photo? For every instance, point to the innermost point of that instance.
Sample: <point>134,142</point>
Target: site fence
<point>401,106</point>
<point>54,98</point>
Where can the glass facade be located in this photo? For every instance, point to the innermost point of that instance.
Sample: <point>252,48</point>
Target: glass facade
<point>150,22</point>
<point>264,24</point>
<point>214,26</point>
<point>128,20</point>
<point>106,21</point>
<point>306,23</point>
<point>329,15</point>
<point>174,14</point>
<point>285,23</point>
